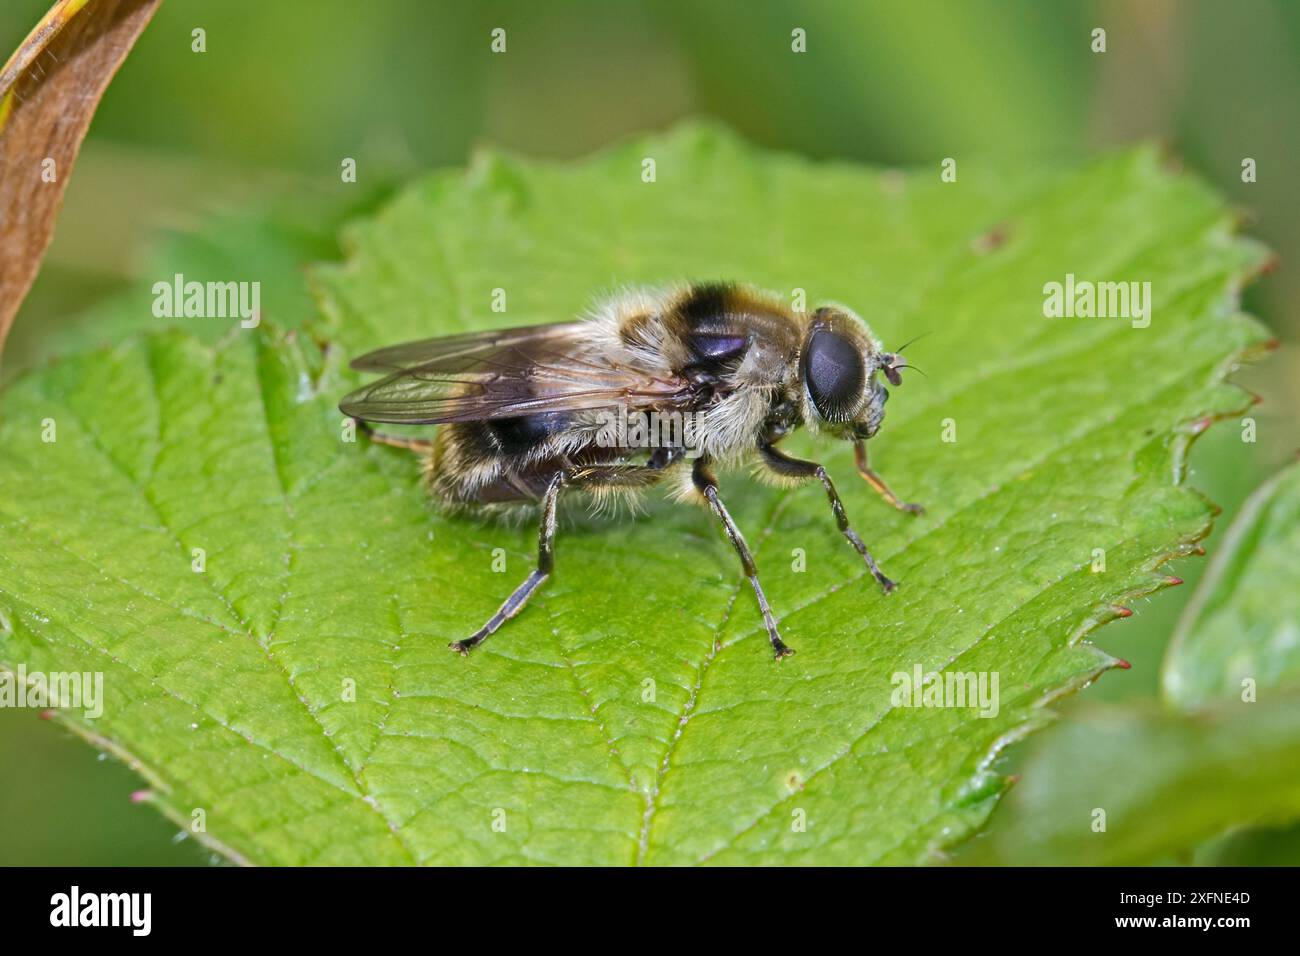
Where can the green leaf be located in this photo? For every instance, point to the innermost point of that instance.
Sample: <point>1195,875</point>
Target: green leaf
<point>1243,624</point>
<point>1163,780</point>
<point>1166,779</point>
<point>1253,846</point>
<point>632,713</point>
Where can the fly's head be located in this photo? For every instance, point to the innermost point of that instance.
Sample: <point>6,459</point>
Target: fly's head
<point>841,367</point>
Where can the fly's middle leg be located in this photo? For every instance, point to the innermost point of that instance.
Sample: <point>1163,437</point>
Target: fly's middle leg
<point>798,468</point>
<point>707,485</point>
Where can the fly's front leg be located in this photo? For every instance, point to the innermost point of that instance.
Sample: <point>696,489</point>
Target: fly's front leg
<point>878,483</point>
<point>545,564</point>
<point>797,468</point>
<point>707,485</point>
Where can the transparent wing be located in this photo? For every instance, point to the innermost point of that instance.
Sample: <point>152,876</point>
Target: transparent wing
<point>507,373</point>
<point>457,351</point>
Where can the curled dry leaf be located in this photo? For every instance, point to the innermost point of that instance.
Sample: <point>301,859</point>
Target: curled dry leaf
<point>49,90</point>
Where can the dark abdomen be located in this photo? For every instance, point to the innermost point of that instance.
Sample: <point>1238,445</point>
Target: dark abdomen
<point>505,451</point>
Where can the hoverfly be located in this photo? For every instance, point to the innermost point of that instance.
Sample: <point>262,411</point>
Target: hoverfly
<point>526,412</point>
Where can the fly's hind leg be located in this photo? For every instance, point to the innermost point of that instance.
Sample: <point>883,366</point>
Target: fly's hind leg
<point>379,438</point>
<point>798,468</point>
<point>545,564</point>
<point>612,476</point>
<point>707,485</point>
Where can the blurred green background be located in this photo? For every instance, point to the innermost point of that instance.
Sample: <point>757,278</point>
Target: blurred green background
<point>286,90</point>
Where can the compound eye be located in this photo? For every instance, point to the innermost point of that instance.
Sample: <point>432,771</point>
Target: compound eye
<point>834,373</point>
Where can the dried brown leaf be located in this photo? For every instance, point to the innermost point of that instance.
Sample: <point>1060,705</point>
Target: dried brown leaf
<point>49,90</point>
